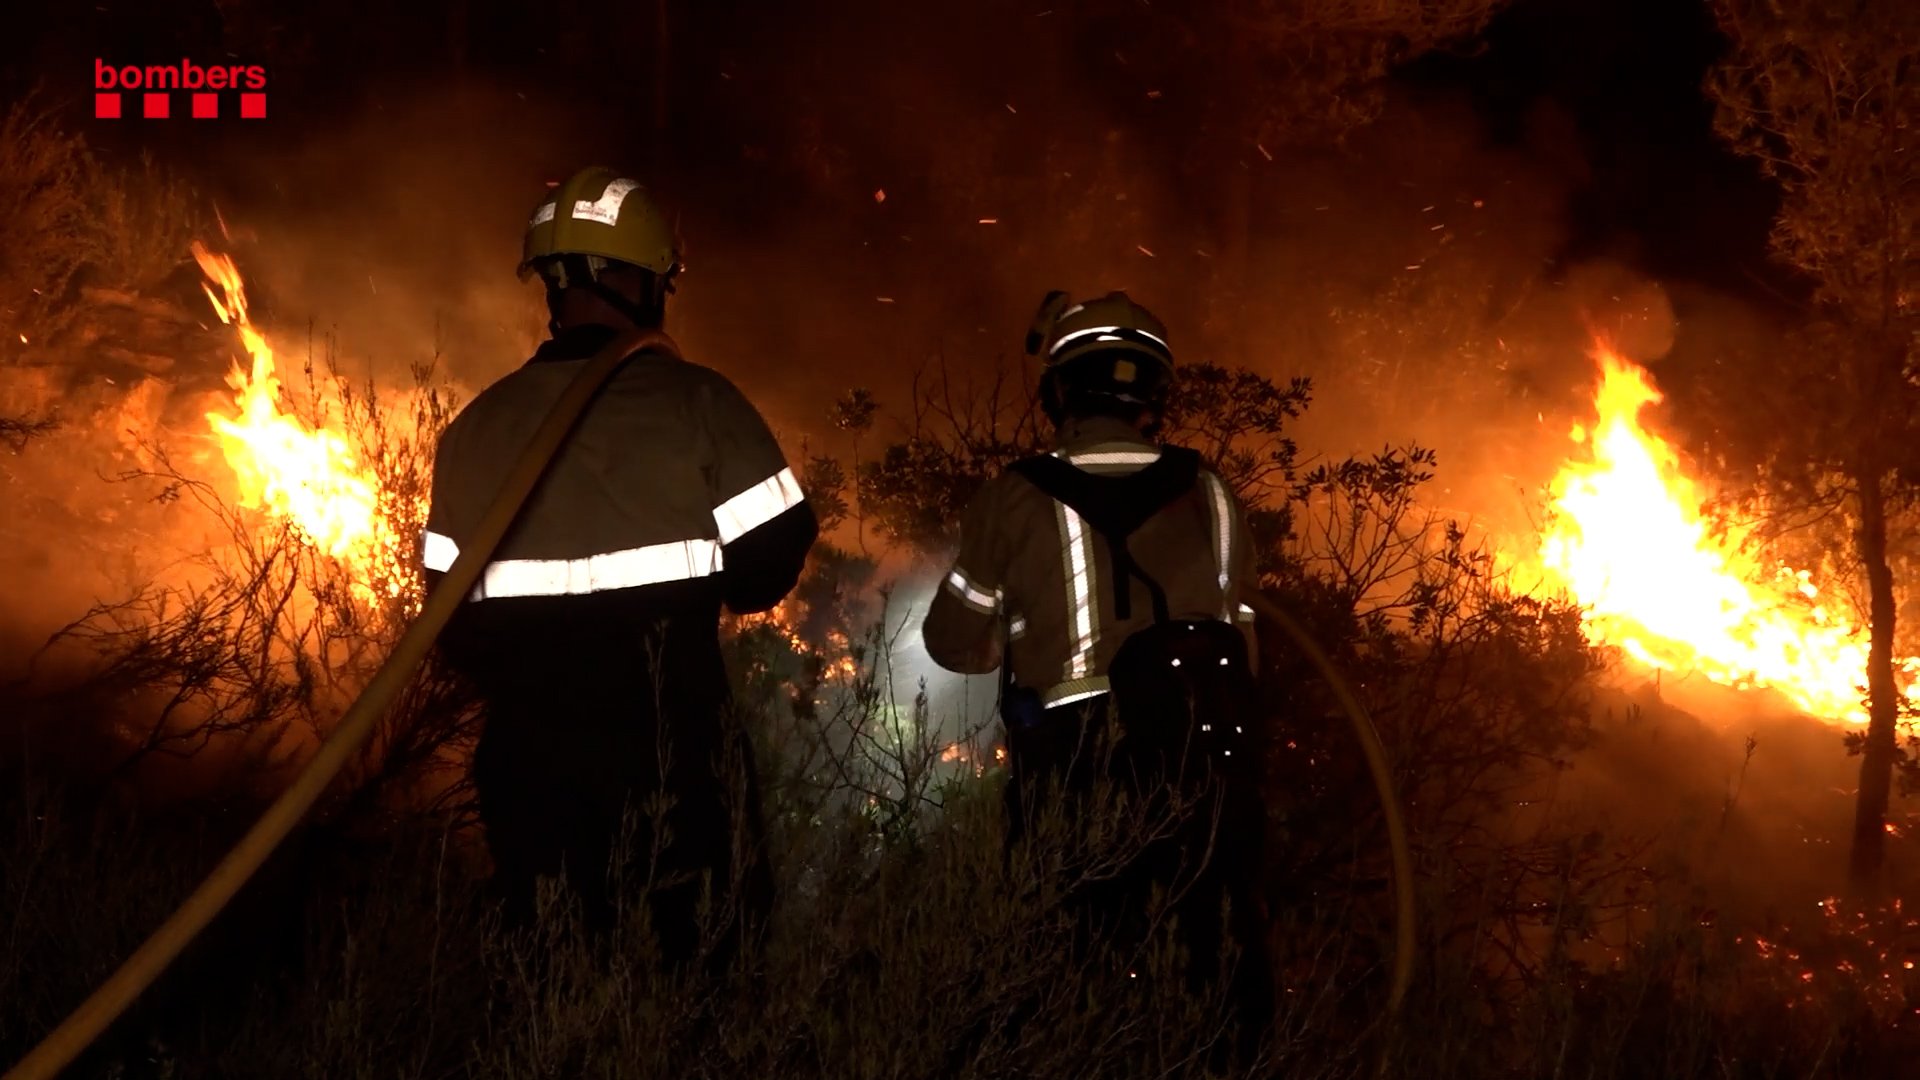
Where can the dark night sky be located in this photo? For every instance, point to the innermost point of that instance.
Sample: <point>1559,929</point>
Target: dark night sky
<point>1662,194</point>
<point>1594,103</point>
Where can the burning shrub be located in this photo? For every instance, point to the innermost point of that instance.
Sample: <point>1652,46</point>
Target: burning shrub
<point>74,218</point>
<point>51,228</point>
<point>17,431</point>
<point>243,660</point>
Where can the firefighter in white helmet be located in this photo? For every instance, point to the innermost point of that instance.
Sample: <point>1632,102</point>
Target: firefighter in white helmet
<point>593,635</point>
<point>1105,579</point>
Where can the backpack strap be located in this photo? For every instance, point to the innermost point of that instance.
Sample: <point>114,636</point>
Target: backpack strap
<point>1116,506</point>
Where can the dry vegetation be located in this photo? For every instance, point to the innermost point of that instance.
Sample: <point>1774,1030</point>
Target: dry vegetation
<point>903,944</point>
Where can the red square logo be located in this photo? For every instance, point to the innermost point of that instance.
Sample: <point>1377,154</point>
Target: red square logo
<point>154,106</point>
<point>206,106</point>
<point>106,106</point>
<point>253,106</point>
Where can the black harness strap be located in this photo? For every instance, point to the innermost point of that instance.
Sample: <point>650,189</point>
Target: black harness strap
<point>1116,506</point>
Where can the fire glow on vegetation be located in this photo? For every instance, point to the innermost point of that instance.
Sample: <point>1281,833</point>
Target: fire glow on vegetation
<point>1628,540</point>
<point>967,754</point>
<point>302,474</point>
<point>835,653</point>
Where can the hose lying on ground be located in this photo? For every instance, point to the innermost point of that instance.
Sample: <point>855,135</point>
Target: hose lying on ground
<point>139,971</point>
<point>1403,929</point>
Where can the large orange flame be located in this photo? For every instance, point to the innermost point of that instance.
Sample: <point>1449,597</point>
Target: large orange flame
<point>298,473</point>
<point>1627,538</point>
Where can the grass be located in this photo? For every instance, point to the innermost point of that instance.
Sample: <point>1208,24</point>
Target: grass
<point>376,954</point>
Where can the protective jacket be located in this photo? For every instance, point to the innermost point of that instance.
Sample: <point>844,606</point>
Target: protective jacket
<point>593,635</point>
<point>672,476</point>
<point>1031,565</point>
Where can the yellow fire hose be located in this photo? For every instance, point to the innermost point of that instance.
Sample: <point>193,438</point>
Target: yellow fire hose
<point>1403,915</point>
<point>137,973</point>
<point>65,1042</point>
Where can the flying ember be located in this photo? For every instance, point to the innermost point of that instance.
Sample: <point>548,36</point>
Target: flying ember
<point>1628,540</point>
<point>306,476</point>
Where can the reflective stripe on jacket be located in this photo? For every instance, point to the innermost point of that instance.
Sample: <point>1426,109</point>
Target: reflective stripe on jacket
<point>668,472</point>
<point>1029,560</point>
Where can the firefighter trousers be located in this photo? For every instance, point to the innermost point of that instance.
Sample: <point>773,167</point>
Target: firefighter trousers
<point>611,759</point>
<point>1212,853</point>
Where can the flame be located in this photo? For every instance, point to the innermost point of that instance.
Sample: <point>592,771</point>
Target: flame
<point>307,476</point>
<point>1628,541</point>
<point>962,753</point>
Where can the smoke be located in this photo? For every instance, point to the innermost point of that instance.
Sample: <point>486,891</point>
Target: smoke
<point>957,705</point>
<point>901,192</point>
<point>832,241</point>
<point>398,233</point>
<point>1733,792</point>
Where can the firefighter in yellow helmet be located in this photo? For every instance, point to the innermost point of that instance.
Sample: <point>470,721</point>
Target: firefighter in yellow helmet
<point>1104,580</point>
<point>593,635</point>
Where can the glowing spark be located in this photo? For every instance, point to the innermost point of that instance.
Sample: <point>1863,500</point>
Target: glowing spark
<point>989,221</point>
<point>1141,248</point>
<point>880,195</point>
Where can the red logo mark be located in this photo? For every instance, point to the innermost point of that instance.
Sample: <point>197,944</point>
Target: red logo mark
<point>155,83</point>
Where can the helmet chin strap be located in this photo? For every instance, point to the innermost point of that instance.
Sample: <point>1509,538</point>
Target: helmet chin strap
<point>569,269</point>
<point>634,312</point>
<point>1054,393</point>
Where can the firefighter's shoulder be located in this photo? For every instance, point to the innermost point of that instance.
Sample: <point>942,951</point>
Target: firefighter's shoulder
<point>687,378</point>
<point>492,399</point>
<point>998,490</point>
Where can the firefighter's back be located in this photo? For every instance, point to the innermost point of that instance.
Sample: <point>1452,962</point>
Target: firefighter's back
<point>614,565</point>
<point>633,476</point>
<point>1061,582</point>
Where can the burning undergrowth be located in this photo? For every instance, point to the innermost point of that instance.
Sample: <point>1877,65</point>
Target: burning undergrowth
<point>310,494</point>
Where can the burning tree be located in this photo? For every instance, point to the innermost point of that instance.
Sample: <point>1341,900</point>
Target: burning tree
<point>1823,96</point>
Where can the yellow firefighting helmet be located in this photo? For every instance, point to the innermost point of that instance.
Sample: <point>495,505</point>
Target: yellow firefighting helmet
<point>596,212</point>
<point>1110,347</point>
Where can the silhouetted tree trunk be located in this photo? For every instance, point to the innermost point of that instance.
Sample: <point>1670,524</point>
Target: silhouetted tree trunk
<point>1877,755</point>
<point>1821,94</point>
